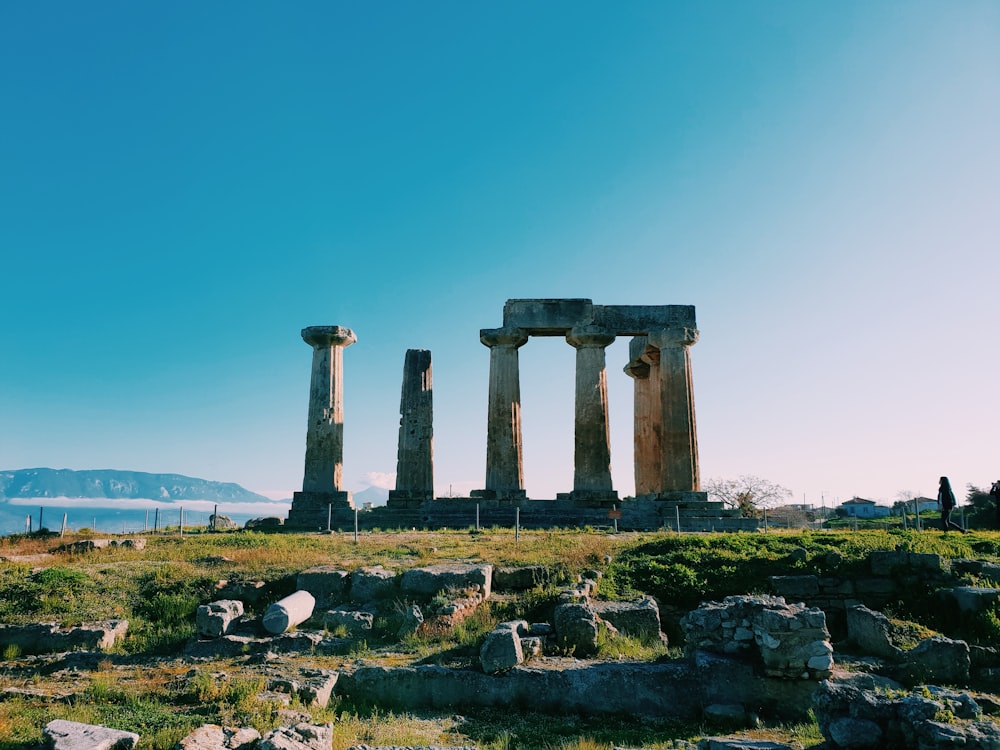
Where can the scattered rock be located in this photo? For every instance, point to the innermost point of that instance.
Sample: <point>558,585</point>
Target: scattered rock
<point>217,618</point>
<point>640,619</point>
<point>433,579</point>
<point>264,522</point>
<point>502,648</point>
<point>353,622</point>
<point>327,583</point>
<point>215,737</point>
<point>72,735</point>
<point>299,737</point>
<point>413,618</point>
<point>372,582</point>
<point>222,523</point>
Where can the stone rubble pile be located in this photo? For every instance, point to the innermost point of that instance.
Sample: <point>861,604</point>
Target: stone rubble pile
<point>790,640</point>
<point>856,717</point>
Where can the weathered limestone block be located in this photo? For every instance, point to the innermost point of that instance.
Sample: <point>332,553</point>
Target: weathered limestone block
<point>413,618</point>
<point>883,562</point>
<point>872,632</point>
<point>577,628</point>
<point>877,587</point>
<point>502,648</point>
<point>971,598</point>
<point>795,588</point>
<point>264,522</point>
<point>430,580</point>
<point>215,737</point>
<point>220,522</point>
<point>300,642</point>
<point>249,592</point>
<point>288,612</point>
<point>639,619</point>
<point>520,579</point>
<point>317,687</point>
<point>938,660</point>
<point>327,583</point>
<point>299,737</point>
<point>217,618</point>
<point>72,735</point>
<point>740,743</point>
<point>353,622</point>
<point>372,582</point>
<point>49,637</point>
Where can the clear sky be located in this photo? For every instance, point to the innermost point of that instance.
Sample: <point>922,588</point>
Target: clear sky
<point>184,186</point>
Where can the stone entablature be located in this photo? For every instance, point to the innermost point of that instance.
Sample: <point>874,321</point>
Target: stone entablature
<point>666,456</point>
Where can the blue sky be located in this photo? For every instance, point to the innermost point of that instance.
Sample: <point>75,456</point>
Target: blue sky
<point>184,186</point>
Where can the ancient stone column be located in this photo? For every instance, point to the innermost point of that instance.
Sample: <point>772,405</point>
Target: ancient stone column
<point>504,467</point>
<point>644,369</point>
<point>321,482</point>
<point>678,436</point>
<point>592,449</point>
<point>415,458</point>
<point>325,433</point>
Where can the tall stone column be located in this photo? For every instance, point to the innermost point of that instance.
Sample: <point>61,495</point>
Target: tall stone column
<point>678,435</point>
<point>415,458</point>
<point>322,478</point>
<point>592,448</point>
<point>644,369</point>
<point>504,463</point>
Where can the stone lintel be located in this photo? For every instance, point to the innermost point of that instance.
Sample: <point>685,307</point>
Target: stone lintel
<point>556,317</point>
<point>635,320</point>
<point>317,336</point>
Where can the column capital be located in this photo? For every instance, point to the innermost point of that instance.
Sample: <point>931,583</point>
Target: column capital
<point>514,337</point>
<point>589,337</point>
<point>667,337</point>
<point>317,336</point>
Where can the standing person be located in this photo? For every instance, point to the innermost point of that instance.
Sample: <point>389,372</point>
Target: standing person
<point>946,499</point>
<point>995,494</point>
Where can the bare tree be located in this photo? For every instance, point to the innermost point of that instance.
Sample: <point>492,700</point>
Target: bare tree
<point>747,493</point>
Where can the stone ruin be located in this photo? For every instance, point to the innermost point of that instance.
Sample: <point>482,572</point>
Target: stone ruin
<point>667,478</point>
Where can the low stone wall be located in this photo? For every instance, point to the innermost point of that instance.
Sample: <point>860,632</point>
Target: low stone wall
<point>460,513</point>
<point>49,637</point>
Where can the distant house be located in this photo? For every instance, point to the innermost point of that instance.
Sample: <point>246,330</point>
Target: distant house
<point>858,507</point>
<point>925,503</point>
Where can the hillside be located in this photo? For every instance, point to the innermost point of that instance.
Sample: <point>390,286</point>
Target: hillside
<point>118,485</point>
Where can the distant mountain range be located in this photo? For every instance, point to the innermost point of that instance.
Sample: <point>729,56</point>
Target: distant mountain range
<point>114,484</point>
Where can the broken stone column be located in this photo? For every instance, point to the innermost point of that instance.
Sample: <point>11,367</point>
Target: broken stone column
<point>286,613</point>
<point>504,467</point>
<point>321,483</point>
<point>678,436</point>
<point>644,369</point>
<point>415,458</point>
<point>592,449</point>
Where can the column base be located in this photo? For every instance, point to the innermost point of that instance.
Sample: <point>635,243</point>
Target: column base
<point>676,496</point>
<point>500,497</point>
<point>312,510</point>
<point>590,498</point>
<point>409,498</point>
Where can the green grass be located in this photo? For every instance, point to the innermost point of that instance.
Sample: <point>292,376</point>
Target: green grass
<point>158,590</point>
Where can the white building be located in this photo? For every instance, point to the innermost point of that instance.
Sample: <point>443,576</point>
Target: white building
<point>858,507</point>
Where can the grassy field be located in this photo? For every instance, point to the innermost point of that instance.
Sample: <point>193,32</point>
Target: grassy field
<point>144,684</point>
